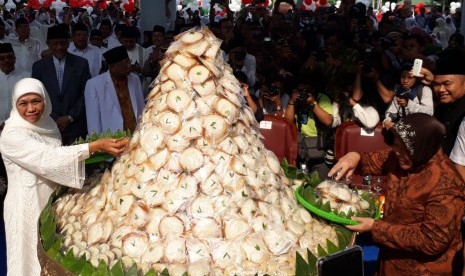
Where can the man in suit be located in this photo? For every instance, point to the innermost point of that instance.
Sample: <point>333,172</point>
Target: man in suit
<point>64,75</point>
<point>114,99</point>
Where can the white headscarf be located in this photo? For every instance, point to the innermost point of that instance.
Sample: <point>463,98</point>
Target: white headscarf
<point>45,125</point>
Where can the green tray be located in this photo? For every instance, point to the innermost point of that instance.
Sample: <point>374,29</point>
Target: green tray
<point>327,215</point>
<point>98,157</point>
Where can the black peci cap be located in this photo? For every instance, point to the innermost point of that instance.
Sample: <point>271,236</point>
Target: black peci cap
<point>115,55</point>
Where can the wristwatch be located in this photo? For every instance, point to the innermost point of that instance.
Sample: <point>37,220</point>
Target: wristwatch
<point>279,108</point>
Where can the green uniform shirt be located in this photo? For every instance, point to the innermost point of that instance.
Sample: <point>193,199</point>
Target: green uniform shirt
<point>309,129</point>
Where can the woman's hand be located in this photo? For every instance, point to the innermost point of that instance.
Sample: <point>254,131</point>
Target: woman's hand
<point>110,145</point>
<point>365,225</point>
<point>345,166</point>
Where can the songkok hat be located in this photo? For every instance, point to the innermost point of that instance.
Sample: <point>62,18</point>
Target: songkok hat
<point>80,27</point>
<point>129,32</point>
<point>450,62</point>
<point>159,29</point>
<point>6,48</point>
<point>21,21</point>
<point>115,55</point>
<point>58,32</point>
<point>95,33</point>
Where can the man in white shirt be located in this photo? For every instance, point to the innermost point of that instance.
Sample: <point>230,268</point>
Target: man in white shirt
<point>80,47</point>
<point>96,40</point>
<point>109,41</point>
<point>27,49</point>
<point>158,37</point>
<point>8,77</point>
<point>136,52</point>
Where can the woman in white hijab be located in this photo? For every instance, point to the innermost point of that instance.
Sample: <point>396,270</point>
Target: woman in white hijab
<point>441,33</point>
<point>36,163</point>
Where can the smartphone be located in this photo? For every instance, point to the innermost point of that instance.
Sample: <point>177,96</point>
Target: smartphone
<point>417,64</point>
<point>348,262</point>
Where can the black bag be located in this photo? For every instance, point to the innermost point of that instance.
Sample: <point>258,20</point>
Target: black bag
<point>308,148</point>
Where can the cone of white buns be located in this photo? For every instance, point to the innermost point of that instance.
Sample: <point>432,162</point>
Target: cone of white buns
<point>196,191</point>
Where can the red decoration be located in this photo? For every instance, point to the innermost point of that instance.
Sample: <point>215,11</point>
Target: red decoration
<point>245,2</point>
<point>303,8</point>
<point>417,10</point>
<point>75,4</point>
<point>47,3</point>
<point>102,4</point>
<point>34,4</point>
<point>421,5</point>
<point>129,7</point>
<point>323,2</point>
<point>264,4</point>
<point>308,2</point>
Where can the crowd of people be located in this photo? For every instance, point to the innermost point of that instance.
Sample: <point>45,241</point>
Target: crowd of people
<point>316,68</point>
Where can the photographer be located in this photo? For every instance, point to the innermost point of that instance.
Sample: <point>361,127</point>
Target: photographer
<point>392,57</point>
<point>272,96</point>
<point>351,105</point>
<point>410,97</point>
<point>312,113</point>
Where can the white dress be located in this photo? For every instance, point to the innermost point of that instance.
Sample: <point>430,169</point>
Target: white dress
<point>35,164</point>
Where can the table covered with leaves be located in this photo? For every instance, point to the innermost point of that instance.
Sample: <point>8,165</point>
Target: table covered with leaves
<point>55,262</point>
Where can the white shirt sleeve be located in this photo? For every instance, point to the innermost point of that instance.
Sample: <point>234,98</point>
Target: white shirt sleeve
<point>458,152</point>
<point>366,115</point>
<point>336,117</point>
<point>62,165</point>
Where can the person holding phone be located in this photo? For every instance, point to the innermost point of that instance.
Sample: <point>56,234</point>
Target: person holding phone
<point>419,233</point>
<point>410,96</point>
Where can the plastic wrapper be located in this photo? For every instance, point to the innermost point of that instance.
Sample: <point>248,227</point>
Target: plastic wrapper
<point>196,190</point>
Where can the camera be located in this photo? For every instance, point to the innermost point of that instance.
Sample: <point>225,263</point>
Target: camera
<point>402,92</point>
<point>273,91</point>
<point>368,60</point>
<point>387,42</point>
<point>304,93</point>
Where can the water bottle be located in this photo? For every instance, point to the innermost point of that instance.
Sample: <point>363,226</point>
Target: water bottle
<point>367,181</point>
<point>303,169</point>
